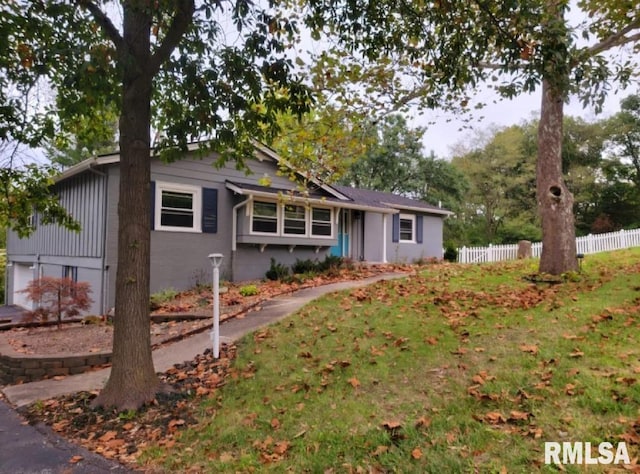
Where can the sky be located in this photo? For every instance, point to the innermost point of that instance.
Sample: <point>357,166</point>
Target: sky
<point>445,131</point>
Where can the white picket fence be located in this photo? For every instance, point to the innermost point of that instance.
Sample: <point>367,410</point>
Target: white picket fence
<point>584,245</point>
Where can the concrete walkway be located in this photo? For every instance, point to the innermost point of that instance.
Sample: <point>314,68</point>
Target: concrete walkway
<point>21,446</point>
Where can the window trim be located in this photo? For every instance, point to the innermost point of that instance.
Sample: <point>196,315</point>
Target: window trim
<point>331,224</point>
<point>196,207</point>
<point>284,219</point>
<point>252,214</point>
<point>280,219</point>
<point>407,217</point>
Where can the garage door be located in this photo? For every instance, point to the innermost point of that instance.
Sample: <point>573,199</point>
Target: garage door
<point>22,275</point>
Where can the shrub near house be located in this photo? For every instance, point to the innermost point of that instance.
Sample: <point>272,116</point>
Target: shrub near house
<point>59,297</point>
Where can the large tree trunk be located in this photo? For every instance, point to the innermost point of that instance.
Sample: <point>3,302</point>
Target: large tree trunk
<point>133,380</point>
<point>555,201</point>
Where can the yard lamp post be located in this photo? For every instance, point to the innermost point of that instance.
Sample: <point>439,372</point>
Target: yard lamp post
<point>216,261</point>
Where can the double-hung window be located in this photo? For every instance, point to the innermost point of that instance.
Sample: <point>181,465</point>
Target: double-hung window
<point>295,220</point>
<point>407,228</point>
<point>178,207</point>
<point>264,219</point>
<point>321,222</point>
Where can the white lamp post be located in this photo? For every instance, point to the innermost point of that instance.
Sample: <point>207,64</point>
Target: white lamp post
<point>216,261</point>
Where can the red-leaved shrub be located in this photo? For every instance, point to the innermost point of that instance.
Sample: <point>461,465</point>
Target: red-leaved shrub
<point>57,297</point>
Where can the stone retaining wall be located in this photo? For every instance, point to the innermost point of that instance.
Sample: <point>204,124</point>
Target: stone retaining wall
<point>16,369</point>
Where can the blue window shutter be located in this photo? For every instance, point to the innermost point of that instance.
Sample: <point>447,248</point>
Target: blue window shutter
<point>209,210</point>
<point>395,228</point>
<point>419,229</point>
<point>153,205</point>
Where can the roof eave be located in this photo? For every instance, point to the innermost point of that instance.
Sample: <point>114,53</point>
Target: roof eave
<point>85,165</point>
<point>426,210</point>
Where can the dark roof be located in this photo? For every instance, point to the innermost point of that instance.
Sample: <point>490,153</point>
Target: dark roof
<point>384,199</point>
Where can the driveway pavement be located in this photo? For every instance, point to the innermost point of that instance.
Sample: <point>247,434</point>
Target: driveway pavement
<point>11,313</point>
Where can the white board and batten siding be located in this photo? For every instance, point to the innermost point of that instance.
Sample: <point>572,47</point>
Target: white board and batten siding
<point>588,244</point>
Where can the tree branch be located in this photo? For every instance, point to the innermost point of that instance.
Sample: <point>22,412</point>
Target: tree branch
<point>107,26</point>
<point>179,25</point>
<point>617,39</point>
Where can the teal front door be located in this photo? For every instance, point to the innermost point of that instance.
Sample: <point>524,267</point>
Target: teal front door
<point>341,249</point>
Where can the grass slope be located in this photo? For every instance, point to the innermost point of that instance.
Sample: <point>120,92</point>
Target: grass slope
<point>455,369</point>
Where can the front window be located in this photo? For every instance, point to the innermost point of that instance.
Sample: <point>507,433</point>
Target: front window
<point>178,207</point>
<point>321,222</point>
<point>295,220</point>
<point>407,228</point>
<point>265,217</point>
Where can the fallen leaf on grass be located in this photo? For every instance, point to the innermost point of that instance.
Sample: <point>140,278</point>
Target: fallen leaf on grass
<point>281,447</point>
<point>416,453</point>
<point>530,348</point>
<point>516,415</point>
<point>380,450</point>
<point>376,352</point>
<point>576,353</point>
<point>354,382</point>
<point>478,379</point>
<point>117,442</point>
<point>423,422</point>
<point>391,425</point>
<point>108,436</point>
<point>493,418</point>
<point>173,423</point>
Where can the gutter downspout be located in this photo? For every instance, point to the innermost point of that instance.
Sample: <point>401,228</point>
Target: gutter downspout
<point>234,231</point>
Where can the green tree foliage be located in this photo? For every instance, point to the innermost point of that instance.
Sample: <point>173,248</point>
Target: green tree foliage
<point>394,161</point>
<point>210,71</point>
<point>618,200</point>
<point>500,206</point>
<point>624,136</point>
<point>322,144</point>
<point>390,160</point>
<point>25,194</point>
<point>84,136</point>
<point>435,53</point>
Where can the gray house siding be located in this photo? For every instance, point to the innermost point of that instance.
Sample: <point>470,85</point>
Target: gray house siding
<point>50,248</point>
<point>431,246</point>
<point>83,196</point>
<point>251,264</point>
<point>374,235</point>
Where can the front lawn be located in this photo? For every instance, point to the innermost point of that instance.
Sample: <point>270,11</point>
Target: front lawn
<point>457,369</point>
